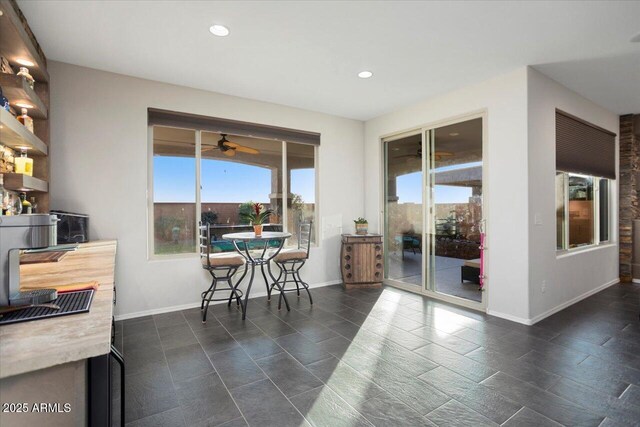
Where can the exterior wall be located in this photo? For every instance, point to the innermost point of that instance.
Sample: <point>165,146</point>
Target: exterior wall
<point>99,167</point>
<point>568,277</point>
<point>503,99</point>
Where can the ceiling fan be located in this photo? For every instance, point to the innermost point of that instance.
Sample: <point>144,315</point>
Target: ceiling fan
<point>229,148</point>
<point>438,155</point>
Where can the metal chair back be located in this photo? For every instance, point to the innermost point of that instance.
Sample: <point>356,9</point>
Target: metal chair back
<point>204,231</point>
<point>304,236</point>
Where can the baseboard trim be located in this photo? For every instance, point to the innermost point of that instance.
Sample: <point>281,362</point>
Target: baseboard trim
<point>554,310</point>
<point>509,317</point>
<point>572,301</point>
<point>197,304</point>
<point>635,280</point>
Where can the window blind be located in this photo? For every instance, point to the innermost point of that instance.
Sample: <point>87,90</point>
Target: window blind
<point>584,148</point>
<point>232,127</point>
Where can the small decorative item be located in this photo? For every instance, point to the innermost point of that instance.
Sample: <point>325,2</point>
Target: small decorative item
<point>26,120</point>
<point>24,164</point>
<point>362,226</point>
<point>26,205</point>
<point>24,72</point>
<point>257,217</point>
<point>4,102</point>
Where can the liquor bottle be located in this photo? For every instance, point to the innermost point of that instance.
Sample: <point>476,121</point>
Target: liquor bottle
<point>26,120</point>
<point>24,72</point>
<point>26,205</point>
<point>24,164</point>
<point>34,205</point>
<point>16,205</point>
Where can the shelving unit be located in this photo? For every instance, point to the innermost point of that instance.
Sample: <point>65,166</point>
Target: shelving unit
<point>13,134</point>
<point>18,44</point>
<point>19,182</point>
<point>18,91</point>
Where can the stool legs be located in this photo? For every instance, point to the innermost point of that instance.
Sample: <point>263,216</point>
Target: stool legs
<point>291,272</point>
<point>207,296</point>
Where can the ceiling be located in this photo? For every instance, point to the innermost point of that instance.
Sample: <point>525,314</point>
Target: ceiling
<point>307,53</point>
<point>170,141</point>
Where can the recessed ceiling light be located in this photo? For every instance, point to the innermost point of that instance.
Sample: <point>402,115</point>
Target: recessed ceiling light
<point>395,149</point>
<point>636,38</point>
<point>454,134</point>
<point>365,74</point>
<point>23,105</point>
<point>219,30</point>
<point>1,13</point>
<point>25,62</point>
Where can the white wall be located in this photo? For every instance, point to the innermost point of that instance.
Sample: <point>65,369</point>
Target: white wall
<point>505,187</point>
<point>568,278</point>
<point>99,167</point>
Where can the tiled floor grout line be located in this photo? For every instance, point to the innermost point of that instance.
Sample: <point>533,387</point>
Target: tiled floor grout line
<point>164,356</point>
<point>340,361</point>
<point>514,415</point>
<point>319,379</point>
<point>545,334</point>
<point>383,388</point>
<point>214,368</point>
<point>262,370</point>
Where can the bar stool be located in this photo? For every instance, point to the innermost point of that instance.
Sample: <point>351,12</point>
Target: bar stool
<point>222,267</point>
<point>290,261</point>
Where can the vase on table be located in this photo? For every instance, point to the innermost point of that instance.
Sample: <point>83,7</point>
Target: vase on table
<point>257,229</point>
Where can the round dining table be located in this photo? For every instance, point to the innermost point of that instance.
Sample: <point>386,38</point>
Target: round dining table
<point>246,243</point>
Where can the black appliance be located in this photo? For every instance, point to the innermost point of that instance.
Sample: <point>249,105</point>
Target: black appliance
<point>72,227</point>
<point>106,390</point>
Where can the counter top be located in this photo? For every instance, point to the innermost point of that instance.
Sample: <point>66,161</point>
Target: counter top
<point>39,344</point>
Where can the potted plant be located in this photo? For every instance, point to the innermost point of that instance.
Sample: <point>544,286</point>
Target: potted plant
<point>257,217</point>
<point>362,226</point>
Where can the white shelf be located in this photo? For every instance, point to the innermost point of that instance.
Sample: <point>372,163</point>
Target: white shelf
<point>13,134</point>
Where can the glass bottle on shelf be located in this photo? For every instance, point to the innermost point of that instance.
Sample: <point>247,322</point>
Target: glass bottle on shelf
<point>26,205</point>
<point>23,164</point>
<point>24,72</point>
<point>26,120</point>
<point>34,205</point>
<point>16,205</point>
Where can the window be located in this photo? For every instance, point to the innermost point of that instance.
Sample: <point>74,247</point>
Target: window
<point>585,165</point>
<point>217,176</point>
<point>174,190</point>
<point>582,210</point>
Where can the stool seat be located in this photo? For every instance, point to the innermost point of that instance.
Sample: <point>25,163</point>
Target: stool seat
<point>224,260</point>
<point>290,254</point>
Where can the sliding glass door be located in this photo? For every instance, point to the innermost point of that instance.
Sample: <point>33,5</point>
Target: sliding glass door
<point>433,211</point>
<point>404,211</point>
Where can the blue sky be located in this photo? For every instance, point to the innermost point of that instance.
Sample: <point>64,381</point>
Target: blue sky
<point>174,181</point>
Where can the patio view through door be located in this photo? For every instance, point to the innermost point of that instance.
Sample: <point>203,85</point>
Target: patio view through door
<point>433,211</point>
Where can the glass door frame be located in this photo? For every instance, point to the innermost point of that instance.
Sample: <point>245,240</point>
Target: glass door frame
<point>426,132</point>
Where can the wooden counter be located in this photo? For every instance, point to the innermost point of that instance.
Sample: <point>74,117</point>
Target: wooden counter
<point>39,344</point>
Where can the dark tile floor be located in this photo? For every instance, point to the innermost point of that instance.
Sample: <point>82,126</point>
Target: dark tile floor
<point>384,358</point>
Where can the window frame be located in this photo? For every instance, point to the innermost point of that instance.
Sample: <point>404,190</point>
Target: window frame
<point>151,255</point>
<point>596,215</point>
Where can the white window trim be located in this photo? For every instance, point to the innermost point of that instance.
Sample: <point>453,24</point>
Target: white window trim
<point>597,243</point>
<point>152,256</point>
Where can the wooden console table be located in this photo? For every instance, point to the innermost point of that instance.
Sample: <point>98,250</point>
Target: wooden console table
<point>361,261</point>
